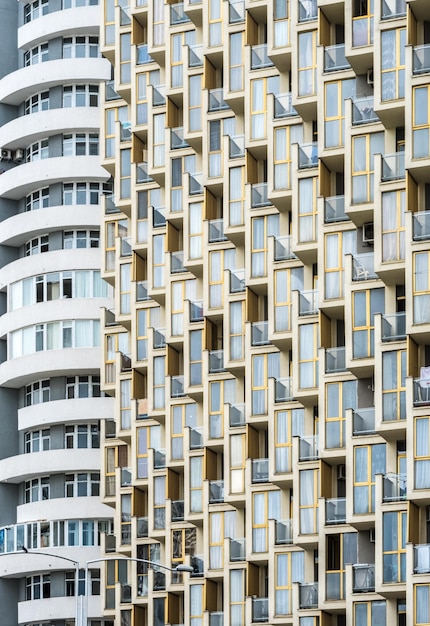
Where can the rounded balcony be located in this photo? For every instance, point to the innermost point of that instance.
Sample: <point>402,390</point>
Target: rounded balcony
<point>53,311</point>
<point>64,508</point>
<point>17,564</point>
<point>16,469</point>
<point>68,22</point>
<point>55,261</point>
<point>27,129</point>
<point>54,609</point>
<point>17,86</point>
<point>23,370</point>
<point>46,172</point>
<point>64,412</point>
<point>16,231</point>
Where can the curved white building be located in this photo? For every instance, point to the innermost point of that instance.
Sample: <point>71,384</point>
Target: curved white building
<point>51,293</point>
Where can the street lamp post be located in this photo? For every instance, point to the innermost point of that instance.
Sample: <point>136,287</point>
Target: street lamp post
<point>81,607</point>
<point>64,558</point>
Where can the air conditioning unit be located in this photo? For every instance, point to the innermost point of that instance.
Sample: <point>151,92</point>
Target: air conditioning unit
<point>6,155</point>
<point>369,77</point>
<point>367,232</point>
<point>341,472</point>
<point>372,535</point>
<point>18,156</point>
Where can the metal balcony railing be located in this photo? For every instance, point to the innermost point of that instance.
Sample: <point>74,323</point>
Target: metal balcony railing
<point>335,511</point>
<point>236,11</point>
<point>283,105</point>
<point>110,543</point>
<point>308,302</point>
<point>363,111</point>
<point>283,248</point>
<point>125,131</point>
<point>216,361</point>
<point>158,217</point>
<point>142,527</point>
<point>394,487</point>
<point>198,565</point>
<point>216,231</point>
<point>260,471</point>
<point>216,491</point>
<point>259,57</point>
<point>126,249</point>
<point>237,281</point>
<point>196,438</point>
<point>236,146</point>
<point>284,532</point>
<point>158,95</point>
<point>335,59</point>
<point>363,266</point>
<point>260,333</point>
<point>283,389</point>
<point>195,56</point>
<point>143,55</point>
<point>216,618</point>
<point>334,209</point>
<point>177,14</point>
<point>259,195</point>
<point>125,476</point>
<point>307,10</point>
<point>363,578</point>
<point>422,558</point>
<point>421,59</point>
<point>110,93</point>
<point>363,421</point>
<point>177,262</point>
<point>237,550</point>
<point>177,511</point>
<point>236,415</point>
<point>216,100</point>
<point>142,173</point>
<point>159,337</point>
<point>195,184</point>
<point>177,140</point>
<point>260,610</point>
<point>421,225</point>
<point>196,311</point>
<point>308,155</point>
<point>335,360</point>
<point>142,291</point>
<point>393,8</point>
<point>393,327</point>
<point>308,448</point>
<point>421,391</point>
<point>159,459</point>
<point>393,166</point>
<point>125,593</point>
<point>308,595</point>
<point>177,387</point>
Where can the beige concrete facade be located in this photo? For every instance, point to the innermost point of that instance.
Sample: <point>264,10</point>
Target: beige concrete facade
<point>269,354</point>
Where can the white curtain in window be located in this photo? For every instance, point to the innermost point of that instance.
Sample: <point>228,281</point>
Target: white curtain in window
<point>282,596</point>
<point>53,336</point>
<point>259,535</point>
<point>215,551</point>
<point>83,336</point>
<point>306,222</point>
<point>82,284</point>
<point>307,515</point>
<point>258,104</point>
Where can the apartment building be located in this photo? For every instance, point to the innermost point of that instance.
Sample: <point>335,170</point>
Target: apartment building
<point>269,353</point>
<point>51,292</point>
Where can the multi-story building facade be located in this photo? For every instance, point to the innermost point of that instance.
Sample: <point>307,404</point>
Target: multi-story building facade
<point>51,294</point>
<point>270,351</point>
